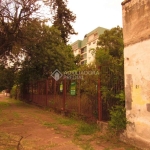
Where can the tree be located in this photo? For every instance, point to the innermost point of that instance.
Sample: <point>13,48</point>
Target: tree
<point>7,77</point>
<point>14,14</point>
<point>62,18</point>
<point>46,55</point>
<point>112,42</point>
<point>109,58</point>
<point>77,59</point>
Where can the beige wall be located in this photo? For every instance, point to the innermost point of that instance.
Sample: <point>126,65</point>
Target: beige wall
<point>137,89</point>
<point>136,30</point>
<point>136,21</point>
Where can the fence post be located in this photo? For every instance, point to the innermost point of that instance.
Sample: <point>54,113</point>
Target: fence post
<point>64,93</point>
<point>46,92</point>
<point>32,92</point>
<point>99,100</point>
<point>79,98</point>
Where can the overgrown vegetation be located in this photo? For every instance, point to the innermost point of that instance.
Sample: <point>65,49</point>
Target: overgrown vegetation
<point>29,48</point>
<point>109,58</point>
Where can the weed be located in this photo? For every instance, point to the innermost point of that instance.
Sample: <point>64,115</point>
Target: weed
<point>4,105</point>
<point>87,146</point>
<point>66,121</point>
<point>16,115</point>
<point>51,125</point>
<point>87,129</point>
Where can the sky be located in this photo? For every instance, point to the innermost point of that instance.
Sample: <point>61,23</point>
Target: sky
<point>91,14</point>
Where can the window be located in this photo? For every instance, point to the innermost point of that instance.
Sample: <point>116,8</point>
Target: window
<point>83,50</point>
<point>84,56</point>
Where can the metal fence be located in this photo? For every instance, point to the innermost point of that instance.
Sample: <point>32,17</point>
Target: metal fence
<point>67,96</point>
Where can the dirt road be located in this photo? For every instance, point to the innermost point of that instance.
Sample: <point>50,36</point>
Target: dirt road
<point>27,127</point>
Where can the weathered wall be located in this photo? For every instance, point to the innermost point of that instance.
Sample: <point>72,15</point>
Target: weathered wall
<point>136,20</point>
<point>137,90</point>
<point>136,30</point>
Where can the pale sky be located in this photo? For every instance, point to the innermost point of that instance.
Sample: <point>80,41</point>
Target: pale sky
<point>93,13</point>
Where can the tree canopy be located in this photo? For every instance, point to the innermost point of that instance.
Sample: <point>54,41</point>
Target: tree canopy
<point>110,46</point>
<point>62,18</point>
<point>14,15</point>
<point>33,48</point>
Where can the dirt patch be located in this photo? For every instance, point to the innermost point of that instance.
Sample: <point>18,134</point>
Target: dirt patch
<point>26,127</point>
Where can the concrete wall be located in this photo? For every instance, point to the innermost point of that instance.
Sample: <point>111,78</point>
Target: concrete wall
<point>136,30</point>
<point>136,20</point>
<point>137,90</point>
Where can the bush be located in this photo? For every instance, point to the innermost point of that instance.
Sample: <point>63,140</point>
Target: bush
<point>118,121</point>
<point>13,92</point>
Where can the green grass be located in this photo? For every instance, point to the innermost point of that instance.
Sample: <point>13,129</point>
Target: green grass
<point>66,121</point>
<point>87,146</point>
<point>8,141</point>
<point>86,129</point>
<point>50,125</point>
<point>4,105</point>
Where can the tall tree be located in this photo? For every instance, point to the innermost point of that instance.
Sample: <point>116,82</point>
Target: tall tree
<point>112,42</point>
<point>7,77</point>
<point>109,56</point>
<point>62,18</point>
<point>14,14</point>
<point>45,55</point>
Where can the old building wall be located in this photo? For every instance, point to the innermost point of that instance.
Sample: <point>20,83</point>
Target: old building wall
<point>137,90</point>
<point>136,20</point>
<point>136,30</point>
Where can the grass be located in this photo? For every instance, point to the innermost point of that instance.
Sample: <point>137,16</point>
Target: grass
<point>66,121</point>
<point>80,132</point>
<point>86,129</point>
<point>50,125</point>
<point>4,105</point>
<point>8,141</point>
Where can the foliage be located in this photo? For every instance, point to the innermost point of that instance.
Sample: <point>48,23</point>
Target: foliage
<point>112,42</point>
<point>86,129</point>
<point>7,77</point>
<point>14,14</point>
<point>118,119</point>
<point>89,84</point>
<point>90,76</point>
<point>62,18</point>
<point>109,58</point>
<point>46,55</point>
<point>77,59</point>
<point>33,49</point>
<point>13,92</point>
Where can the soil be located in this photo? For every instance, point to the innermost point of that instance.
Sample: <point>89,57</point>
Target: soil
<point>28,127</point>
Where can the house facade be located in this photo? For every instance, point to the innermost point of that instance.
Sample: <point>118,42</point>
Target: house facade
<point>84,47</point>
<point>136,32</point>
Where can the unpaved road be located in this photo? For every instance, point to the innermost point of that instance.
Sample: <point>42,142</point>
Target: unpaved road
<point>27,127</point>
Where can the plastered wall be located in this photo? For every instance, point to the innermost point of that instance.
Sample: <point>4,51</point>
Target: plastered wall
<point>136,30</point>
<point>136,20</point>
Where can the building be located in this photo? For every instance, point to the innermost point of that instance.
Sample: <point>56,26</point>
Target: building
<point>83,47</point>
<point>136,34</point>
